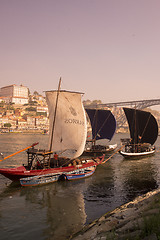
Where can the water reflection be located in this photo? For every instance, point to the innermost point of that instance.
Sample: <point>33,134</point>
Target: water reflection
<point>139,176</point>
<point>64,205</point>
<point>60,208</point>
<point>98,196</point>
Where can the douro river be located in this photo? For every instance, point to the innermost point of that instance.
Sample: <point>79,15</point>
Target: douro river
<point>57,210</point>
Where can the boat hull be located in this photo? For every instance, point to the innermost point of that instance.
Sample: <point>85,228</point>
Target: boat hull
<point>39,180</point>
<point>91,152</point>
<point>83,173</point>
<point>15,174</point>
<point>137,155</point>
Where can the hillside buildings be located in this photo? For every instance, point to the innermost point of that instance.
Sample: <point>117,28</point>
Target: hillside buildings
<point>21,110</point>
<point>14,94</point>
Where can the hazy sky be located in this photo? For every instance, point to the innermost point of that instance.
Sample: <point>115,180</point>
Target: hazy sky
<point>108,49</point>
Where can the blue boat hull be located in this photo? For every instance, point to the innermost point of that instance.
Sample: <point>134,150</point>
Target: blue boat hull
<point>39,180</point>
<point>83,173</point>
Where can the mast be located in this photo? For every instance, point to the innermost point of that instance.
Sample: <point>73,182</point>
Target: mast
<point>55,115</point>
<point>135,130</point>
<point>96,119</point>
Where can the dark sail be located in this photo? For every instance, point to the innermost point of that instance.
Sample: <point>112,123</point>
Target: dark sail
<point>142,125</point>
<point>103,123</point>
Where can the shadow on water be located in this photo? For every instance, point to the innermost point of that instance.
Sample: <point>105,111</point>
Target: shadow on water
<point>64,206</point>
<point>9,189</point>
<point>98,197</point>
<point>139,176</point>
<point>52,211</point>
<point>120,181</point>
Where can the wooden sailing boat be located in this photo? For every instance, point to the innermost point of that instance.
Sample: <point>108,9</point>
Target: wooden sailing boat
<point>103,125</point>
<point>67,137</point>
<point>143,129</point>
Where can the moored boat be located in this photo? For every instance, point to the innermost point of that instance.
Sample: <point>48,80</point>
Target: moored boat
<point>97,150</point>
<point>103,126</point>
<point>15,174</point>
<point>54,177</point>
<point>80,173</point>
<point>67,138</point>
<point>143,129</point>
<point>40,179</point>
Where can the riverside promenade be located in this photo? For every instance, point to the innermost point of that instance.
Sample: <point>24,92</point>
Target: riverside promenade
<point>136,220</point>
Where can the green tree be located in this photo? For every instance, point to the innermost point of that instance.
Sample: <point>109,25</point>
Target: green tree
<point>10,106</point>
<point>2,104</point>
<point>31,109</point>
<point>36,93</point>
<point>8,125</point>
<point>96,102</point>
<point>41,113</point>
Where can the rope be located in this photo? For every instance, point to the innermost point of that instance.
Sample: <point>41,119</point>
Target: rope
<point>113,154</point>
<point>146,125</point>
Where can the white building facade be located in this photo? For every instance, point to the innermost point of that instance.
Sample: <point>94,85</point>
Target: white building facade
<point>14,94</point>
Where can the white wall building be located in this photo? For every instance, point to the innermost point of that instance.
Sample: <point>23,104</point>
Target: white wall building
<point>14,94</point>
<point>42,109</point>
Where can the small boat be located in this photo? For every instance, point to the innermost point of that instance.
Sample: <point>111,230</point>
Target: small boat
<point>54,177</point>
<point>40,179</point>
<point>96,150</point>
<point>143,129</point>
<point>111,147</point>
<point>103,126</point>
<point>80,173</point>
<point>67,138</point>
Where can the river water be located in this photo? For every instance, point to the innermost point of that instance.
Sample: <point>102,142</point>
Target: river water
<point>57,210</point>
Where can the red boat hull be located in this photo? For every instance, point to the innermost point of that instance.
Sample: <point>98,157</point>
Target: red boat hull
<point>15,174</point>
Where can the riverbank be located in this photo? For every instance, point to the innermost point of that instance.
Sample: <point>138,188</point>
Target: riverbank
<point>136,220</point>
<point>25,131</point>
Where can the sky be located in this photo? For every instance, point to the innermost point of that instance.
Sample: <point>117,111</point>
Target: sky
<point>107,49</point>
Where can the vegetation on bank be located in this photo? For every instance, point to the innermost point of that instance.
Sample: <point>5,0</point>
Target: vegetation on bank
<point>151,221</point>
<point>146,228</point>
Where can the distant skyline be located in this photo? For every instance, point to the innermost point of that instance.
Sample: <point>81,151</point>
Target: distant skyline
<point>108,49</point>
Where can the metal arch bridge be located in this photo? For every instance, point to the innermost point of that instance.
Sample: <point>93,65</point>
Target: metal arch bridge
<point>141,104</point>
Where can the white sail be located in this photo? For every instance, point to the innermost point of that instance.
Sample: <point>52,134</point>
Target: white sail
<point>70,129</point>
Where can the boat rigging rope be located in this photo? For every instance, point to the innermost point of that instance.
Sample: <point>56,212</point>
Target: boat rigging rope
<point>113,154</point>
